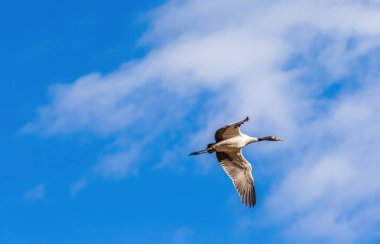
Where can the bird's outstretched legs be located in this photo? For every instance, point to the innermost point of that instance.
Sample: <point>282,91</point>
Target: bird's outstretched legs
<point>208,150</point>
<point>199,152</point>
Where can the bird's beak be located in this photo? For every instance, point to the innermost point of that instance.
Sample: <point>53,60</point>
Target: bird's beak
<point>279,139</point>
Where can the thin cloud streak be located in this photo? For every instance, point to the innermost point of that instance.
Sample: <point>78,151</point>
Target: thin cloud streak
<point>37,193</point>
<point>78,186</point>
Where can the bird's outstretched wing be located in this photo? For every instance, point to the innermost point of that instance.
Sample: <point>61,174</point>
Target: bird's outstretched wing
<point>229,131</point>
<point>240,172</point>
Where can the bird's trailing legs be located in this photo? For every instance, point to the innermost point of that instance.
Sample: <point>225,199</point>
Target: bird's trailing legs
<point>199,152</point>
<point>209,149</point>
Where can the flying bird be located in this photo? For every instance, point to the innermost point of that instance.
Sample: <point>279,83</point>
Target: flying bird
<point>229,142</point>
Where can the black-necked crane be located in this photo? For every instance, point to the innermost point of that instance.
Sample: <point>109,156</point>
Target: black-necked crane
<point>229,142</point>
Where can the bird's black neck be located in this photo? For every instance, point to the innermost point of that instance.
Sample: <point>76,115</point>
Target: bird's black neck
<point>266,138</point>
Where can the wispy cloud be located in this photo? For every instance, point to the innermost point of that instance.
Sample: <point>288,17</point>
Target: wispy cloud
<point>307,71</point>
<point>336,184</point>
<point>36,193</point>
<point>78,186</point>
<point>182,234</point>
<point>119,165</point>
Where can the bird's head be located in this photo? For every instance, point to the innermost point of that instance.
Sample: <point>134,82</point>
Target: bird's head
<point>274,138</point>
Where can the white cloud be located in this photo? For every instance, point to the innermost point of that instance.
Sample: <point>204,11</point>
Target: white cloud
<point>119,165</point>
<point>36,193</point>
<point>339,175</point>
<point>273,60</point>
<point>78,186</point>
<point>182,234</point>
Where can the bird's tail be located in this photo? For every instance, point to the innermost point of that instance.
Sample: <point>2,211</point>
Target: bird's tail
<point>207,150</point>
<point>209,147</point>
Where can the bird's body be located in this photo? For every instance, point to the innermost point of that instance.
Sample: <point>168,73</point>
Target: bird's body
<point>228,145</point>
<point>236,142</point>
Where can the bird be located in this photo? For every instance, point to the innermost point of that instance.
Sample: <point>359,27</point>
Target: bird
<point>228,145</point>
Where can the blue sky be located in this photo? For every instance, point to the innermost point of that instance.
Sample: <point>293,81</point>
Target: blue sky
<point>102,102</point>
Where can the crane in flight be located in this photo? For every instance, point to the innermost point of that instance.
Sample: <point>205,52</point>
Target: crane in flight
<point>229,142</point>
